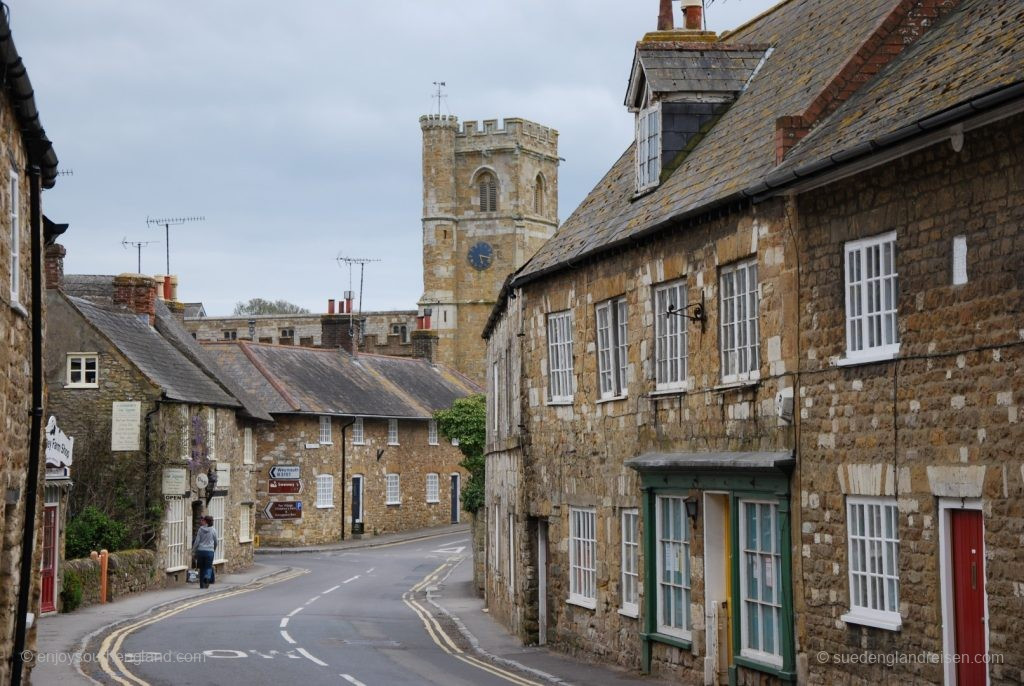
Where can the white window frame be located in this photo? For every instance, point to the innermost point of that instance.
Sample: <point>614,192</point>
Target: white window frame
<point>83,359</point>
<point>648,147</point>
<point>433,488</point>
<point>630,562</point>
<point>186,432</point>
<point>560,364</point>
<point>872,299</point>
<point>431,432</point>
<point>325,431</point>
<point>393,494</point>
<point>248,447</point>
<point>873,548</point>
<point>583,557</point>
<point>358,437</point>
<point>769,658</point>
<point>511,558</point>
<point>245,523</point>
<point>679,543</point>
<point>392,432</point>
<point>495,398</point>
<point>739,303</point>
<point>15,217</point>
<point>215,508</point>
<point>612,331</point>
<point>211,434</point>
<point>671,337</point>
<point>324,491</point>
<point>175,533</point>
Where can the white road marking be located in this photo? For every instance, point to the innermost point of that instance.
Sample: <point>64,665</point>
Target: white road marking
<point>302,651</point>
<point>312,600</point>
<point>296,611</point>
<point>352,680</point>
<point>368,571</point>
<point>284,622</point>
<point>332,588</point>
<point>286,637</point>
<point>454,550</point>
<point>352,579</point>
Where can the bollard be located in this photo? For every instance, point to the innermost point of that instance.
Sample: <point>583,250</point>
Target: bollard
<point>104,557</point>
<point>256,541</point>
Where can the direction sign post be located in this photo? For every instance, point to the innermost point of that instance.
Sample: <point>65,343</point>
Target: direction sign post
<point>285,471</point>
<point>282,509</point>
<point>285,486</point>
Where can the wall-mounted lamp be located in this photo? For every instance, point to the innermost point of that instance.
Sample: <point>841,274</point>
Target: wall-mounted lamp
<point>692,509</point>
<point>211,483</point>
<point>699,312</point>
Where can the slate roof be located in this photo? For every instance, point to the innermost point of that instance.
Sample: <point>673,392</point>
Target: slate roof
<point>293,379</point>
<point>154,355</point>
<point>194,311</point>
<point>672,67</point>
<point>975,48</point>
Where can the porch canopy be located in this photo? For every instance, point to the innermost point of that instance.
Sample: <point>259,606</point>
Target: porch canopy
<point>762,462</point>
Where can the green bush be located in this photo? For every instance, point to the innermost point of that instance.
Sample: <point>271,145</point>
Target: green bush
<point>466,421</point>
<point>71,590</point>
<point>94,530</point>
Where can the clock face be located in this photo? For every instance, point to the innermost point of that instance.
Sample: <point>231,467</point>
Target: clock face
<point>480,256</point>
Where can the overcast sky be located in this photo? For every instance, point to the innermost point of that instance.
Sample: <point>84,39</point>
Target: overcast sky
<point>293,126</point>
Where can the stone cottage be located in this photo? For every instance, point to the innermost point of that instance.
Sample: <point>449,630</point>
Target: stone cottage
<point>161,435</point>
<point>763,425</point>
<point>31,166</point>
<point>353,449</point>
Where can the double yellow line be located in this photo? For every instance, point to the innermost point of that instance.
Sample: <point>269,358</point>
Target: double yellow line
<point>109,655</point>
<point>442,639</point>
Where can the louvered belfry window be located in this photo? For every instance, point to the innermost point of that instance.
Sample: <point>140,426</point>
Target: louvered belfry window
<point>488,193</point>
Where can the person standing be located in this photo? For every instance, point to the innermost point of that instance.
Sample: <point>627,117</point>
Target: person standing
<point>203,548</point>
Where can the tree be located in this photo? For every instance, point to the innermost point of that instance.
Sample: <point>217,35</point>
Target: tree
<point>466,422</point>
<point>261,306</point>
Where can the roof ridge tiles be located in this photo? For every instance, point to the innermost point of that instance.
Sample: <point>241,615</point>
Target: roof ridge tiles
<point>268,375</point>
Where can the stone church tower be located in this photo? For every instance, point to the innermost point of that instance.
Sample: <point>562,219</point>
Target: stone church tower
<point>490,200</point>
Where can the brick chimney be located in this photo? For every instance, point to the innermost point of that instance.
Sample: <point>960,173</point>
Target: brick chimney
<point>138,293</point>
<point>340,331</point>
<point>424,344</point>
<point>55,265</point>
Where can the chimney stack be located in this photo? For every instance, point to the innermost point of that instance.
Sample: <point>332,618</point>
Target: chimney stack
<point>137,293</point>
<point>665,22</point>
<point>330,306</point>
<point>55,265</point>
<point>340,331</point>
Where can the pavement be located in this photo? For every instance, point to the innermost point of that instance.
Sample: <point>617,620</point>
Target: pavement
<point>455,597</point>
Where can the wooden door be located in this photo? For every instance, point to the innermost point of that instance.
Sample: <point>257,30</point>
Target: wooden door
<point>48,601</point>
<point>969,596</point>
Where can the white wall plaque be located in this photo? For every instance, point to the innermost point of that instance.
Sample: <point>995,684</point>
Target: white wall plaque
<point>124,426</point>
<point>175,481</point>
<point>223,475</point>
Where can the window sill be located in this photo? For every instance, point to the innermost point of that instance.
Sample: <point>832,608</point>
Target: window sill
<point>326,442</point>
<point>245,540</point>
<point>732,385</point>
<point>559,403</point>
<point>588,603</point>
<point>774,669</point>
<point>661,392</point>
<point>354,443</point>
<point>81,385</point>
<point>324,507</point>
<point>879,621</point>
<point>675,641</point>
<point>630,612</point>
<point>433,502</point>
<point>868,359</point>
<point>610,400</point>
<point>393,504</point>
<point>394,444</point>
<point>19,308</point>
<point>433,444</point>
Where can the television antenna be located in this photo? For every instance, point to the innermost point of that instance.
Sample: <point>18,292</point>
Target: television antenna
<point>362,262</point>
<point>440,95</point>
<point>167,223</point>
<point>138,245</point>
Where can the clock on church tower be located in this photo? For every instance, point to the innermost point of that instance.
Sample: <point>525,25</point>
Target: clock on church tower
<point>480,255</point>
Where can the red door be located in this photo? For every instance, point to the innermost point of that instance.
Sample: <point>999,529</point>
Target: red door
<point>969,596</point>
<point>47,601</point>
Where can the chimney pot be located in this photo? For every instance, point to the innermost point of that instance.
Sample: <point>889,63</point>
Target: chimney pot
<point>693,14</point>
<point>665,22</point>
<point>330,306</point>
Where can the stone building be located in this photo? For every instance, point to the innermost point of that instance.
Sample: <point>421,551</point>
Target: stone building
<point>353,449</point>
<point>490,200</point>
<point>387,332</point>
<point>161,435</point>
<point>766,377</point>
<point>31,166</point>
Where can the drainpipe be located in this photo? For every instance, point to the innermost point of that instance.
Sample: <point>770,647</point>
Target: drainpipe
<point>34,438</point>
<point>149,461</point>
<point>344,482</point>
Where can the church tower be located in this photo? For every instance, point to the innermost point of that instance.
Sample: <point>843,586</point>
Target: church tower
<point>490,200</point>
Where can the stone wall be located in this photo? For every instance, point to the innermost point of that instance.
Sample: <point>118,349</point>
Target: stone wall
<point>294,440</point>
<point>941,420</point>
<point>15,397</point>
<point>128,572</point>
<point>306,327</point>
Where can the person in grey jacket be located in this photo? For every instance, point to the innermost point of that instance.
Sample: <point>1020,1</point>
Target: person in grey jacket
<point>203,548</point>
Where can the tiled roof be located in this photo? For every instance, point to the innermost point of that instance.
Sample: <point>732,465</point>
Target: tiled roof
<point>194,310</point>
<point>162,363</point>
<point>293,379</point>
<point>812,39</point>
<point>975,50</point>
<point>697,67</point>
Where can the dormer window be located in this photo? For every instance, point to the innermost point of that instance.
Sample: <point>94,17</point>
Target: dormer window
<point>648,147</point>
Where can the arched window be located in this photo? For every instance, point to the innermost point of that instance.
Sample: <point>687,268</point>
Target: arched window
<point>488,192</point>
<point>538,195</point>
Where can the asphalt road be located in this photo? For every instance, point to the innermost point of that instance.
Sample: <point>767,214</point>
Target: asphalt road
<point>357,617</point>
